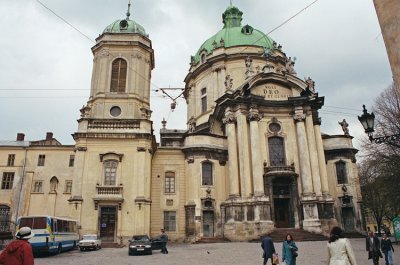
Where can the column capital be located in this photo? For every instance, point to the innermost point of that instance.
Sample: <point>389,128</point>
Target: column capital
<point>254,114</point>
<point>299,117</point>
<point>229,117</point>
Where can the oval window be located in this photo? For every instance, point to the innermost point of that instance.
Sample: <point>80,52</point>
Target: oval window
<point>115,111</point>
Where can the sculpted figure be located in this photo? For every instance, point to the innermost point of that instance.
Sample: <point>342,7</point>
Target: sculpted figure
<point>345,127</point>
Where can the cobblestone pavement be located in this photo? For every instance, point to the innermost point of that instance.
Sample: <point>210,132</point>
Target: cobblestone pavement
<point>310,253</point>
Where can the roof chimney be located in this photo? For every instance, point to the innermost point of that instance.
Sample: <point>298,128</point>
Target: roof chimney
<point>49,136</point>
<point>20,137</point>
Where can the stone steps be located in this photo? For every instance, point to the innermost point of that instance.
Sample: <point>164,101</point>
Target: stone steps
<point>212,240</point>
<point>279,235</point>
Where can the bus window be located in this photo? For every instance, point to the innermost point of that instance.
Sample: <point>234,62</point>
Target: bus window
<point>59,226</point>
<point>39,223</point>
<point>26,222</point>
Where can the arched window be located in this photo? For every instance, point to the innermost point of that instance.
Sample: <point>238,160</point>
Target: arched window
<point>341,172</point>
<point>110,172</point>
<point>276,151</point>
<point>5,218</point>
<point>169,182</point>
<point>118,75</point>
<point>53,184</point>
<point>206,173</point>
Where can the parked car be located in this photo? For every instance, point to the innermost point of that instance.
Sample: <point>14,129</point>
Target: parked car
<point>90,242</point>
<point>143,244</point>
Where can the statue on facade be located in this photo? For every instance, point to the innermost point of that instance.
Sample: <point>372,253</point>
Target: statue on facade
<point>345,127</point>
<point>290,66</point>
<point>310,84</point>
<point>249,67</point>
<point>228,82</point>
<point>191,124</point>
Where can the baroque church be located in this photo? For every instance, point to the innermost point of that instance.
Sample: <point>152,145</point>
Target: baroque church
<point>251,160</point>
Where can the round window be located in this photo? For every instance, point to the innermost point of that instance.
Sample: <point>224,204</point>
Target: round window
<point>274,127</point>
<point>115,111</point>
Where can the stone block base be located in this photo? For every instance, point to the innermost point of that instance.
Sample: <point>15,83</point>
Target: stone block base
<point>312,225</point>
<point>245,231</point>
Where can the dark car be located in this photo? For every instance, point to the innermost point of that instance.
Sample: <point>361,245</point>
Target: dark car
<point>142,244</point>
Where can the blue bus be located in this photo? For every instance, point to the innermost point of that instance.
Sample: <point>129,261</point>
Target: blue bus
<point>52,234</point>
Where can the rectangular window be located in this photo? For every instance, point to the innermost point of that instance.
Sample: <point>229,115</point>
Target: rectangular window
<point>206,174</point>
<point>71,160</point>
<point>341,172</point>
<point>38,186</point>
<point>250,213</point>
<point>170,221</point>
<point>169,182</point>
<point>41,160</point>
<point>7,181</point>
<point>203,100</point>
<point>11,159</point>
<point>68,186</point>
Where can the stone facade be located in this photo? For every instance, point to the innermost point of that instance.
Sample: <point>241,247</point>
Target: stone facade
<point>388,12</point>
<point>252,159</point>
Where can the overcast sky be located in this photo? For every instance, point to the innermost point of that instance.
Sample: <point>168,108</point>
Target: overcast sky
<point>46,65</point>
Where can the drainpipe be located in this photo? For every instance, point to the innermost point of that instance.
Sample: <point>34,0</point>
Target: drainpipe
<point>22,184</point>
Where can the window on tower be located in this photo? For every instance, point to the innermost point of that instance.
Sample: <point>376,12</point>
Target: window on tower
<point>118,75</point>
<point>110,172</point>
<point>203,100</point>
<point>206,173</point>
<point>341,172</point>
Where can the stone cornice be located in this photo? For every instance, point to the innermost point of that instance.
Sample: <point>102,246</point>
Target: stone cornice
<point>79,135</point>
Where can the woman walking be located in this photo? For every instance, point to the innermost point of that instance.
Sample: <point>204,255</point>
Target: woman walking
<point>289,251</point>
<point>340,251</point>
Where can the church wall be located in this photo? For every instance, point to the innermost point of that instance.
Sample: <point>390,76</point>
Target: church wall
<point>169,160</point>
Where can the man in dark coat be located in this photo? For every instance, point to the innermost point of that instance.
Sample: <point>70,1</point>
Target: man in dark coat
<point>19,251</point>
<point>164,240</point>
<point>268,246</point>
<point>387,249</point>
<point>373,248</point>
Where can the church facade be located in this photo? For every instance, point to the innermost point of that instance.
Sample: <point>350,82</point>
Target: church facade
<point>252,158</point>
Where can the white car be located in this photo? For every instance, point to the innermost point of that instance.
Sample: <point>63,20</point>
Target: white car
<point>90,242</point>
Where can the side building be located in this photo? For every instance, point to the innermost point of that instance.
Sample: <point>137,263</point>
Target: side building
<point>252,158</point>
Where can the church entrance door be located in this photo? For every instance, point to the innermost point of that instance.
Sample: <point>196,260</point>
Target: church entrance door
<point>281,212</point>
<point>208,223</point>
<point>107,223</point>
<point>348,219</point>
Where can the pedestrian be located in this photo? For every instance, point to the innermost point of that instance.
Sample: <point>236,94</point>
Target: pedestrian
<point>268,249</point>
<point>164,240</point>
<point>289,251</point>
<point>19,251</point>
<point>372,246</point>
<point>340,251</point>
<point>387,249</point>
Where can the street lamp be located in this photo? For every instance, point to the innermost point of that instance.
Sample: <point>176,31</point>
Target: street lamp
<point>367,120</point>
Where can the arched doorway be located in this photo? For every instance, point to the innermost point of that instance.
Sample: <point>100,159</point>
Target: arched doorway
<point>284,201</point>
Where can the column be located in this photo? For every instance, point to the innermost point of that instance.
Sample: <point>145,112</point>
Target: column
<point>313,156</point>
<point>258,184</point>
<point>304,155</point>
<point>321,160</point>
<point>244,154</point>
<point>311,220</point>
<point>230,129</point>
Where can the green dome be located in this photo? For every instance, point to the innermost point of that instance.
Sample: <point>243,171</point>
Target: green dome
<point>125,26</point>
<point>233,34</point>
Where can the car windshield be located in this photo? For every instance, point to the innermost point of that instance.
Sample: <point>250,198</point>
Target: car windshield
<point>140,238</point>
<point>91,237</point>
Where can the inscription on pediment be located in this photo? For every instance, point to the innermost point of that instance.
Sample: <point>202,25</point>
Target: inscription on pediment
<point>272,92</point>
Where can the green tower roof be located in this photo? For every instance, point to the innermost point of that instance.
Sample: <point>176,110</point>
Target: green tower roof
<point>233,34</point>
<point>125,25</point>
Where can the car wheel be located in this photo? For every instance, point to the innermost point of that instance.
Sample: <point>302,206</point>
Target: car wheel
<point>59,249</point>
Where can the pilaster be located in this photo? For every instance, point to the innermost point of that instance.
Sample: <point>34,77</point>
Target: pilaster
<point>313,156</point>
<point>258,184</point>
<point>244,154</point>
<point>230,128</point>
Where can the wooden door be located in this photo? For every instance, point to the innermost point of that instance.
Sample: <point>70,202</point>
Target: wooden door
<point>107,223</point>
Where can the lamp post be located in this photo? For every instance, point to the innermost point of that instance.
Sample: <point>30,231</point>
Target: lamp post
<point>367,120</point>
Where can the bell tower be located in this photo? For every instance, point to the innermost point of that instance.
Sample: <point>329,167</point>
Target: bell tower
<point>114,140</point>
